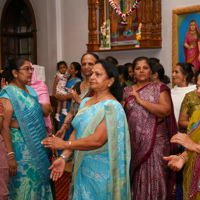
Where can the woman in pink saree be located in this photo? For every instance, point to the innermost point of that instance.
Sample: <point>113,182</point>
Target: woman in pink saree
<point>151,121</point>
<point>191,45</point>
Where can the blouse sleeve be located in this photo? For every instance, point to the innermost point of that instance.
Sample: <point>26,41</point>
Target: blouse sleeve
<point>185,105</point>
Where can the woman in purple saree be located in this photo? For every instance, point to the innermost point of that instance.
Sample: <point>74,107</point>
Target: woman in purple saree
<point>151,123</point>
<point>191,45</point>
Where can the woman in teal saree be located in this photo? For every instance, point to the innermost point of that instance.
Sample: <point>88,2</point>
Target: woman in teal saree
<point>23,130</point>
<point>100,141</point>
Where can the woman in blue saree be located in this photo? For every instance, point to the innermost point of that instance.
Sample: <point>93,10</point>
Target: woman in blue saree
<point>75,77</point>
<point>100,141</point>
<point>23,130</point>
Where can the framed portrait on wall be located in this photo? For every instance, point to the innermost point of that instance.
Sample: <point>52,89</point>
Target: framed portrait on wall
<point>123,32</point>
<point>186,36</point>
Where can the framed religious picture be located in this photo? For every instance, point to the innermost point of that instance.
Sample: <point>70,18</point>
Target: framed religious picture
<point>124,24</point>
<point>125,18</point>
<point>186,36</point>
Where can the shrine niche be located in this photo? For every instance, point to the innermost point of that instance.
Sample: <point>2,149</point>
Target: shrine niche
<point>132,24</point>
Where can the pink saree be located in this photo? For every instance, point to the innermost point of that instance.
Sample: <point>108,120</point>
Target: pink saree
<point>43,94</point>
<point>150,142</point>
<point>191,55</point>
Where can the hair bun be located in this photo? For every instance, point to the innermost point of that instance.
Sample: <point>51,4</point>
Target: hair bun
<point>7,65</point>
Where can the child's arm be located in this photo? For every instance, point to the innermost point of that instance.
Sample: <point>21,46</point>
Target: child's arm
<point>54,86</point>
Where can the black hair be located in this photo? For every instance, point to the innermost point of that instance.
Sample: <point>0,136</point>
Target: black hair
<point>77,67</point>
<point>127,65</point>
<point>157,67</point>
<point>140,59</point>
<point>61,63</point>
<point>154,60</point>
<point>90,53</point>
<point>122,69</point>
<point>115,89</point>
<point>112,60</point>
<point>197,73</point>
<point>12,64</point>
<point>186,69</point>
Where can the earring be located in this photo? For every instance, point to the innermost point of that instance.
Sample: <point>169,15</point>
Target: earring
<point>15,76</point>
<point>184,79</point>
<point>109,84</point>
<point>154,77</point>
<point>134,79</point>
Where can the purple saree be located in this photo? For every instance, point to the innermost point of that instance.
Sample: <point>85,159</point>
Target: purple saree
<point>150,142</point>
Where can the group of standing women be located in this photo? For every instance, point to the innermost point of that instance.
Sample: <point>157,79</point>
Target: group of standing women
<point>118,140</point>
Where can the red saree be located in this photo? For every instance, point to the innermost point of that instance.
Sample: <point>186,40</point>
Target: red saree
<point>150,142</point>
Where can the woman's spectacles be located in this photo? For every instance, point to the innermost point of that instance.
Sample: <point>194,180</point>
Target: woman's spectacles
<point>27,68</point>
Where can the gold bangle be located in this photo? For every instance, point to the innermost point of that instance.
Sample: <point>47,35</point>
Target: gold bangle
<point>10,153</point>
<point>11,158</point>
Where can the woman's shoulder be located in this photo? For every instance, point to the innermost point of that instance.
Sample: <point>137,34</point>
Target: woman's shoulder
<point>32,91</point>
<point>128,88</point>
<point>190,94</point>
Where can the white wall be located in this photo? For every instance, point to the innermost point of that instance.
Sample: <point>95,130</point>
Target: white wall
<point>76,38</point>
<point>74,34</point>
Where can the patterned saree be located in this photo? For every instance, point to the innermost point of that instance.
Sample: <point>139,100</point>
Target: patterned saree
<point>102,173</point>
<point>150,142</point>
<point>191,172</point>
<point>33,176</point>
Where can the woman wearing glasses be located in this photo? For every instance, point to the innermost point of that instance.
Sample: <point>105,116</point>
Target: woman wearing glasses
<point>23,130</point>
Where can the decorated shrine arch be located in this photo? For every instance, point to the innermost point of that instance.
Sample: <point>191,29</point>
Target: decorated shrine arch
<point>126,18</point>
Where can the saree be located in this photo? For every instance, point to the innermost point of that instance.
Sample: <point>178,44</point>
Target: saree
<point>191,172</point>
<point>32,178</point>
<point>43,94</point>
<point>102,173</point>
<point>70,84</point>
<point>190,103</point>
<point>191,55</point>
<point>150,142</point>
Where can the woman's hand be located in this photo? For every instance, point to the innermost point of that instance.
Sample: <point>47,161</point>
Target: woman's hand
<point>184,140</point>
<point>136,96</point>
<point>54,143</point>
<point>3,83</point>
<point>175,163</point>
<point>12,167</point>
<point>74,94</point>
<point>57,168</point>
<point>61,133</point>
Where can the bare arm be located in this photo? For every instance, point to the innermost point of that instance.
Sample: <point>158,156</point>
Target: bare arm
<point>46,108</point>
<point>6,134</point>
<point>95,141</point>
<point>183,121</point>
<point>64,97</point>
<point>161,110</point>
<point>66,124</point>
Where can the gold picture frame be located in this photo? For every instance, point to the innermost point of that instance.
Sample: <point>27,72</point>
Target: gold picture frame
<point>176,13</point>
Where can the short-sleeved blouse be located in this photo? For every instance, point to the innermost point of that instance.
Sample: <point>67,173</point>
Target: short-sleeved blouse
<point>190,103</point>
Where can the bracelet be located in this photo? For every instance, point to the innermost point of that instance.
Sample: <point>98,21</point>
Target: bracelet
<point>11,158</point>
<point>64,157</point>
<point>70,142</point>
<point>183,157</point>
<point>10,153</point>
<point>141,102</point>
